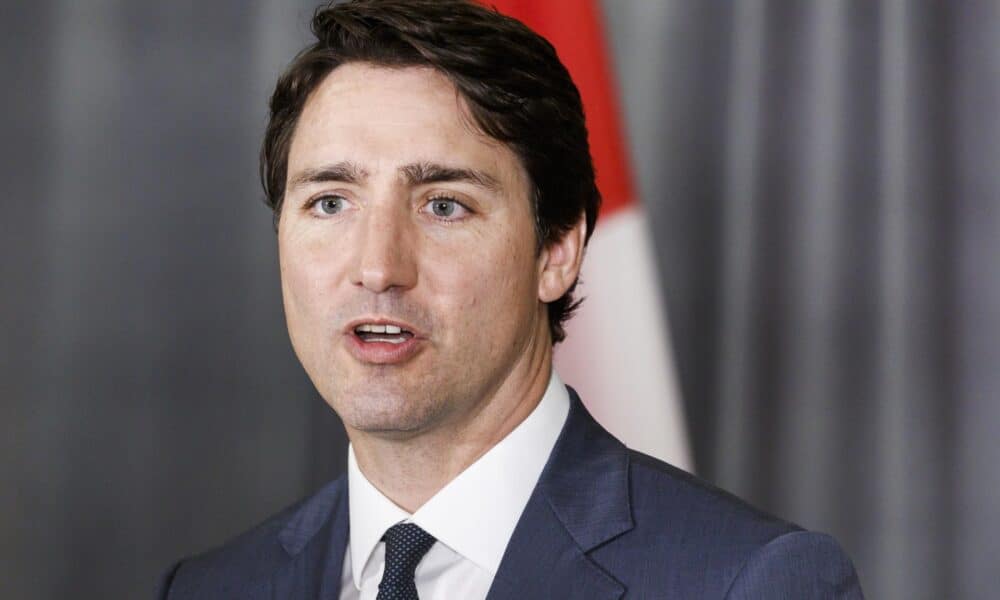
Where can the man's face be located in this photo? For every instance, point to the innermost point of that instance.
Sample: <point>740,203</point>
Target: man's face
<point>408,256</point>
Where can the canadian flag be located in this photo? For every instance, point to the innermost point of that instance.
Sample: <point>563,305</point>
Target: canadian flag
<point>616,352</point>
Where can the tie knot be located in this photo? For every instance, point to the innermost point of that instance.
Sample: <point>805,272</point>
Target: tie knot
<point>405,545</point>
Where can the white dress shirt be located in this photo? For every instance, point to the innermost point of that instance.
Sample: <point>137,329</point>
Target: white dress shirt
<point>472,517</point>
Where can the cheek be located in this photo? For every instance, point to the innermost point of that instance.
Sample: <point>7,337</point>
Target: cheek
<point>307,275</point>
<point>516,270</point>
<point>485,284</point>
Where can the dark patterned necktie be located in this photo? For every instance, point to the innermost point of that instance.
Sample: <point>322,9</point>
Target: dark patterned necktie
<point>405,545</point>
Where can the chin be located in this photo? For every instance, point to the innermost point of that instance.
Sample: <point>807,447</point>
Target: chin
<point>384,412</point>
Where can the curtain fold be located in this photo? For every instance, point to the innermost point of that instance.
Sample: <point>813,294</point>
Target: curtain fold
<point>834,309</point>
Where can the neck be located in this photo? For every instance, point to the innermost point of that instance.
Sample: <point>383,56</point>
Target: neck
<point>410,471</point>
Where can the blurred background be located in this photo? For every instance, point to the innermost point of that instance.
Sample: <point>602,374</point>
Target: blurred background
<point>823,185</point>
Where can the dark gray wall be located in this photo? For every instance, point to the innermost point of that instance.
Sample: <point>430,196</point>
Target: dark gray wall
<point>823,185</point>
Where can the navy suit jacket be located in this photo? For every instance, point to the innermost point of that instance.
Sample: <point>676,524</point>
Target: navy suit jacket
<point>603,522</point>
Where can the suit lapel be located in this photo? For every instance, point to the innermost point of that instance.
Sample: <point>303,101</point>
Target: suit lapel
<point>581,501</point>
<point>315,539</point>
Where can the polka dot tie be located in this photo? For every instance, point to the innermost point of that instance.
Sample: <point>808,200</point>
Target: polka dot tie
<point>405,545</point>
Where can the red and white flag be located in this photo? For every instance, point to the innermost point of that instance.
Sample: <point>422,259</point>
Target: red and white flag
<point>616,352</point>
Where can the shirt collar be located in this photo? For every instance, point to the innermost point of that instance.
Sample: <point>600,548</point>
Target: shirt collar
<point>497,485</point>
<point>370,513</point>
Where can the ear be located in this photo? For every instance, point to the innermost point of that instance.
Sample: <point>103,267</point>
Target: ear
<point>560,262</point>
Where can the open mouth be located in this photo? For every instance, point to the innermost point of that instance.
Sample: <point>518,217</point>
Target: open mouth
<point>391,334</point>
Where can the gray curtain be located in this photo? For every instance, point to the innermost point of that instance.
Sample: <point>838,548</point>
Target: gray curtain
<point>822,179</point>
<point>152,406</point>
<point>823,185</point>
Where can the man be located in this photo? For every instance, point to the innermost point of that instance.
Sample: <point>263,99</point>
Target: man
<point>428,166</point>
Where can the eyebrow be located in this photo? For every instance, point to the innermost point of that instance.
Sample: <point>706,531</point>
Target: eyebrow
<point>343,172</point>
<point>424,173</point>
<point>421,173</point>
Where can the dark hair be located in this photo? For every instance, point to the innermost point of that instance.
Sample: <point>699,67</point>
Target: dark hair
<point>516,89</point>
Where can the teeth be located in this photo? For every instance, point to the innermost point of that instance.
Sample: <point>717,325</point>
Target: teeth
<point>372,328</point>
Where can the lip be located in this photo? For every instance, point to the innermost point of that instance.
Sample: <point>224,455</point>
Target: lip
<point>383,353</point>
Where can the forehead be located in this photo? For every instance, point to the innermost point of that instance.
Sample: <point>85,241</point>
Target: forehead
<point>382,117</point>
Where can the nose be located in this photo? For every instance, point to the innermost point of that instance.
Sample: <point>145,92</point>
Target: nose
<point>384,258</point>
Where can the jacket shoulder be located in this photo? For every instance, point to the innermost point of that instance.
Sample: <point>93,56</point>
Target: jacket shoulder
<point>664,495</point>
<point>688,536</point>
<point>694,537</point>
<point>239,566</point>
<point>801,564</point>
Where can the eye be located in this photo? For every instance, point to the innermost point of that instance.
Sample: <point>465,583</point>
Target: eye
<point>446,208</point>
<point>328,205</point>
